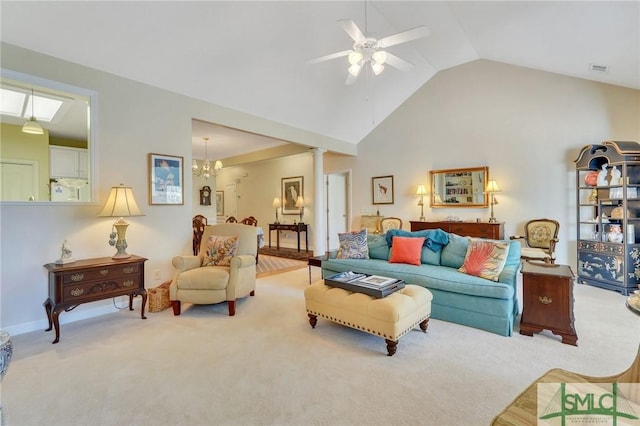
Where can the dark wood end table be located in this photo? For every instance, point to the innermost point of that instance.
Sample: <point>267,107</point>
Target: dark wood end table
<point>548,301</point>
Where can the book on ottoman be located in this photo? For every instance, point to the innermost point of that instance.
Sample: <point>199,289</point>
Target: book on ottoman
<point>372,285</point>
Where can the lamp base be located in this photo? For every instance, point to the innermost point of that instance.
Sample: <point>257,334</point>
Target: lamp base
<point>121,244</point>
<point>422,219</point>
<point>492,220</point>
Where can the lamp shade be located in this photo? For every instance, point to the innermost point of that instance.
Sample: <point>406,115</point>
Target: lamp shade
<point>492,186</point>
<point>32,127</point>
<point>300,201</point>
<point>276,202</point>
<point>120,203</point>
<point>421,190</point>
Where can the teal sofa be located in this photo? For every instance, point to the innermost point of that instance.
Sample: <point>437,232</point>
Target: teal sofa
<point>457,297</point>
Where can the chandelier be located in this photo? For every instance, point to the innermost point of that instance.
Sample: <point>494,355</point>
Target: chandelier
<point>206,170</point>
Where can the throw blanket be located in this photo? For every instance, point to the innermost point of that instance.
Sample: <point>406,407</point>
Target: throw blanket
<point>434,239</point>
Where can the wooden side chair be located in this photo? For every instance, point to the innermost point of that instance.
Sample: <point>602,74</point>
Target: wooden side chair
<point>251,221</point>
<point>198,222</point>
<point>540,238</point>
<point>232,219</point>
<point>390,223</point>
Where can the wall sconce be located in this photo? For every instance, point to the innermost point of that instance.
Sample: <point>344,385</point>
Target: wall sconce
<point>300,205</point>
<point>491,188</point>
<point>120,203</point>
<point>276,204</point>
<point>421,191</point>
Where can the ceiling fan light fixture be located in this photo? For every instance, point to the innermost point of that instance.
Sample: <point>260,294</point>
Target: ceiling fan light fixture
<point>355,57</point>
<point>354,69</point>
<point>379,57</point>
<point>377,68</point>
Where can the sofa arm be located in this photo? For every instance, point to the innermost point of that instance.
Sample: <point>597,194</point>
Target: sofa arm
<point>185,263</point>
<point>242,261</point>
<point>509,275</point>
<point>332,254</point>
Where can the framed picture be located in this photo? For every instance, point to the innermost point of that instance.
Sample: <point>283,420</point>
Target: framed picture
<point>292,188</point>
<point>382,189</point>
<point>166,176</point>
<point>219,203</point>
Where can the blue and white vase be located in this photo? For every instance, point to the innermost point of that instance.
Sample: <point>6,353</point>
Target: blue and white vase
<point>6,351</point>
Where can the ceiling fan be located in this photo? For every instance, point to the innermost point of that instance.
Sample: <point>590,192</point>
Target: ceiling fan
<point>371,50</point>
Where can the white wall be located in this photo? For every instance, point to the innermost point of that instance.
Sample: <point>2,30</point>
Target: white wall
<point>133,121</point>
<point>527,126</point>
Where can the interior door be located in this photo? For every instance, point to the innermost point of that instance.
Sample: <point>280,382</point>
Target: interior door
<point>337,190</point>
<point>19,180</point>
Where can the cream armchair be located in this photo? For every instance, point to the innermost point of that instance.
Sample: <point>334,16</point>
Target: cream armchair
<point>203,285</point>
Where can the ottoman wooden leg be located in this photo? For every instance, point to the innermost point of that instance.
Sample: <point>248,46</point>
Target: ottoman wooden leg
<point>424,324</point>
<point>391,347</point>
<point>313,320</point>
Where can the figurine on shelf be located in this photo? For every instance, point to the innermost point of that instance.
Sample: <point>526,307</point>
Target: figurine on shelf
<point>66,255</point>
<point>602,176</point>
<point>615,233</point>
<point>615,176</point>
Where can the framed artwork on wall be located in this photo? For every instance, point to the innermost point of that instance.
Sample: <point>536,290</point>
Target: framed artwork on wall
<point>166,174</point>
<point>382,189</point>
<point>292,188</point>
<point>219,203</point>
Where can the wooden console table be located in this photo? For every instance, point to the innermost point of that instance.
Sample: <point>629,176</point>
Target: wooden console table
<point>298,228</point>
<point>90,280</point>
<point>491,230</point>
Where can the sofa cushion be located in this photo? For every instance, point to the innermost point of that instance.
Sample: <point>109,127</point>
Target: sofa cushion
<point>406,250</point>
<point>353,245</point>
<point>453,254</point>
<point>220,250</point>
<point>485,258</point>
<point>378,247</point>
<point>434,239</point>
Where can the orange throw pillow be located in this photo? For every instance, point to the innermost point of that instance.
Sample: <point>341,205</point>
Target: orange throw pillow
<point>406,250</point>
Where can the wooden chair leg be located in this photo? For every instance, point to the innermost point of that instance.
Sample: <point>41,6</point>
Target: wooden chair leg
<point>253,293</point>
<point>232,307</point>
<point>175,304</point>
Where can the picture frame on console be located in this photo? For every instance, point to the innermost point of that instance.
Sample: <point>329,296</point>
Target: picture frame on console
<point>382,189</point>
<point>166,177</point>
<point>292,188</point>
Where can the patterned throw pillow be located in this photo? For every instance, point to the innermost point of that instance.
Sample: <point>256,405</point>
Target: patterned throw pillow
<point>220,250</point>
<point>485,258</point>
<point>353,245</point>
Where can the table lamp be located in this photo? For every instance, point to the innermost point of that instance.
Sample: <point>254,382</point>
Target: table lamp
<point>120,203</point>
<point>421,191</point>
<point>276,204</point>
<point>300,205</point>
<point>491,188</point>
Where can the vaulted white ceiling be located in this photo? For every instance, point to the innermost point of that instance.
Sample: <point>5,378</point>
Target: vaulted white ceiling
<point>251,56</point>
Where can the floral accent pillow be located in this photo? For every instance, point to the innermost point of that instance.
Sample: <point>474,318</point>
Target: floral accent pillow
<point>353,245</point>
<point>485,258</point>
<point>220,250</point>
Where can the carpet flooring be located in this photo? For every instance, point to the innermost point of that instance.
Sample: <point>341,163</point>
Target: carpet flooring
<point>289,253</point>
<point>271,265</point>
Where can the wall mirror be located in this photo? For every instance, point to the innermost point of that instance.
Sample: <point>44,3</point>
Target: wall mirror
<point>459,187</point>
<point>57,165</point>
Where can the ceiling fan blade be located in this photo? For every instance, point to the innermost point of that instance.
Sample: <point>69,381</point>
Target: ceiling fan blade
<point>329,57</point>
<point>404,36</point>
<point>396,62</point>
<point>352,29</point>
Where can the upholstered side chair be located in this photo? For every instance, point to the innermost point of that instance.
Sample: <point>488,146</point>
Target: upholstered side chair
<point>251,221</point>
<point>203,285</point>
<point>539,240</point>
<point>390,223</point>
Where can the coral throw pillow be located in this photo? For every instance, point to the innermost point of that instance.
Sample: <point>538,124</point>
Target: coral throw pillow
<point>485,258</point>
<point>406,250</point>
<point>220,250</point>
<point>353,245</point>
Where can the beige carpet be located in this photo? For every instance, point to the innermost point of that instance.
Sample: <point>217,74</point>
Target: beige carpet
<point>266,366</point>
<point>270,265</point>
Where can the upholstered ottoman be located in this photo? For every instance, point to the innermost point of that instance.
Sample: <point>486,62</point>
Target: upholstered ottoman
<point>390,317</point>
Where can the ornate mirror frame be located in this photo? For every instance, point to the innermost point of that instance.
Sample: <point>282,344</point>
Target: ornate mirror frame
<point>459,187</point>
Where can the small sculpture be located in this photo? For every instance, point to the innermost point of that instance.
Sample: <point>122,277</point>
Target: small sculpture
<point>602,176</point>
<point>615,176</point>
<point>66,256</point>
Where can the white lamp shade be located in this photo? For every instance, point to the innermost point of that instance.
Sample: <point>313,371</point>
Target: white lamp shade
<point>355,57</point>
<point>377,68</point>
<point>492,186</point>
<point>379,57</point>
<point>300,201</point>
<point>121,203</point>
<point>276,202</point>
<point>354,69</point>
<point>421,190</point>
<point>32,127</point>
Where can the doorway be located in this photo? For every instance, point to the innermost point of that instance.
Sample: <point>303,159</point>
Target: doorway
<point>338,196</point>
